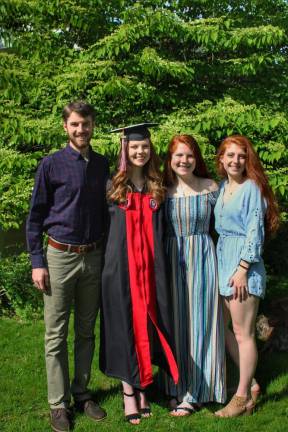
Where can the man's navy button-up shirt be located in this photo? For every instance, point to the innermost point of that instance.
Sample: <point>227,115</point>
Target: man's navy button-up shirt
<point>68,201</point>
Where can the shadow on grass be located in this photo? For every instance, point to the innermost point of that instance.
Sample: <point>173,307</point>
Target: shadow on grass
<point>275,396</point>
<point>99,396</point>
<point>271,367</point>
<point>157,397</point>
<point>102,395</point>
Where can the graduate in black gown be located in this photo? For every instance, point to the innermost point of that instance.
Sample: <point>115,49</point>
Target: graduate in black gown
<point>136,314</point>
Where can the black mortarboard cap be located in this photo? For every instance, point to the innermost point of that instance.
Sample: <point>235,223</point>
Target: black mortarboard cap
<point>136,132</point>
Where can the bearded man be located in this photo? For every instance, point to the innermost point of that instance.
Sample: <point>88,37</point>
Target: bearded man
<point>68,203</point>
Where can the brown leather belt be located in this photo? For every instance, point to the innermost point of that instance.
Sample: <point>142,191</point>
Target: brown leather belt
<point>79,249</point>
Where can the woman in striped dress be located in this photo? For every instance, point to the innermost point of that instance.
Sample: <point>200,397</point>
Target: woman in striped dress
<point>197,314</point>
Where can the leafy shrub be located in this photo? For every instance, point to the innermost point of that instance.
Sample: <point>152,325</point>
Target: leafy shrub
<point>16,184</point>
<point>17,294</point>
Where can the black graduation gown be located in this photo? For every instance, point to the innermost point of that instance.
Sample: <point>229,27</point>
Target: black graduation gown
<point>136,307</point>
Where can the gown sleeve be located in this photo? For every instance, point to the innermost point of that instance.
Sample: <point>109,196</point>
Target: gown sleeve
<point>254,208</point>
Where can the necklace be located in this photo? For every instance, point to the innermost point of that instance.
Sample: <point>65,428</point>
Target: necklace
<point>139,185</point>
<point>138,188</point>
<point>184,191</point>
<point>231,189</point>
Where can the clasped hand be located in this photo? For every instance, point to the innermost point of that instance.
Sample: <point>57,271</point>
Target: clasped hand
<point>240,284</point>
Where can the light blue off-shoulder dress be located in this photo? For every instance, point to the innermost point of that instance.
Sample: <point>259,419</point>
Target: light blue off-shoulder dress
<point>240,225</point>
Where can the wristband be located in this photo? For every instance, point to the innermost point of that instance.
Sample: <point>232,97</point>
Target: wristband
<point>244,267</point>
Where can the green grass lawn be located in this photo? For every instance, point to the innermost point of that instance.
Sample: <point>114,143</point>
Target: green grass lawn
<point>23,405</point>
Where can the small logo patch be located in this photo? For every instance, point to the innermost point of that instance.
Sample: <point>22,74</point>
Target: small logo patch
<point>153,204</point>
<point>125,205</point>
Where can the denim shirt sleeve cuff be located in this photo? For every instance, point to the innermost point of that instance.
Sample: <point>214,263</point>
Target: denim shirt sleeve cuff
<point>250,258</point>
<point>38,261</point>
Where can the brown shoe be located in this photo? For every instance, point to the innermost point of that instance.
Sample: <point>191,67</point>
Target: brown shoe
<point>94,411</point>
<point>59,420</point>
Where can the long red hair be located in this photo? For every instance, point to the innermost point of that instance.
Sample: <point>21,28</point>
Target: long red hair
<point>254,171</point>
<point>200,169</point>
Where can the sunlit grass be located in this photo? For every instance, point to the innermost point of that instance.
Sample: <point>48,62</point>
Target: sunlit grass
<point>23,405</point>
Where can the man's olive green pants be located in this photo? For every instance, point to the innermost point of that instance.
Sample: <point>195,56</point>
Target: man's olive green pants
<point>74,281</point>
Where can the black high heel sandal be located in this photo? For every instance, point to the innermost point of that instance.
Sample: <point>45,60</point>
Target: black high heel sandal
<point>145,412</point>
<point>134,416</point>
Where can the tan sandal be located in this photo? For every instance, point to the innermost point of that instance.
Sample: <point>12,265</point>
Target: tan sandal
<point>255,394</point>
<point>238,406</point>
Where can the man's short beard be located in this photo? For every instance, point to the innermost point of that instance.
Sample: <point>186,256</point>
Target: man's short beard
<point>76,144</point>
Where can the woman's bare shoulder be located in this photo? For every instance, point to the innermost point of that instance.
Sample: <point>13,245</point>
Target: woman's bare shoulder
<point>208,185</point>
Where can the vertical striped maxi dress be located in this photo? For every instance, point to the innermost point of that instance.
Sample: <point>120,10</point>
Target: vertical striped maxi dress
<point>197,312</point>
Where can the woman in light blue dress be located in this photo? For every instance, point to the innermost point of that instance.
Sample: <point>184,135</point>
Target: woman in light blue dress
<point>245,209</point>
<point>197,311</point>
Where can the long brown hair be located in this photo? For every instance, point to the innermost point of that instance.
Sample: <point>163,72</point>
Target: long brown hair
<point>200,169</point>
<point>120,182</point>
<point>254,171</point>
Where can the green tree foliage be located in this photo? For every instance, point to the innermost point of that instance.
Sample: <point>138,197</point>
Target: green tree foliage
<point>15,186</point>
<point>210,68</point>
<point>17,295</point>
